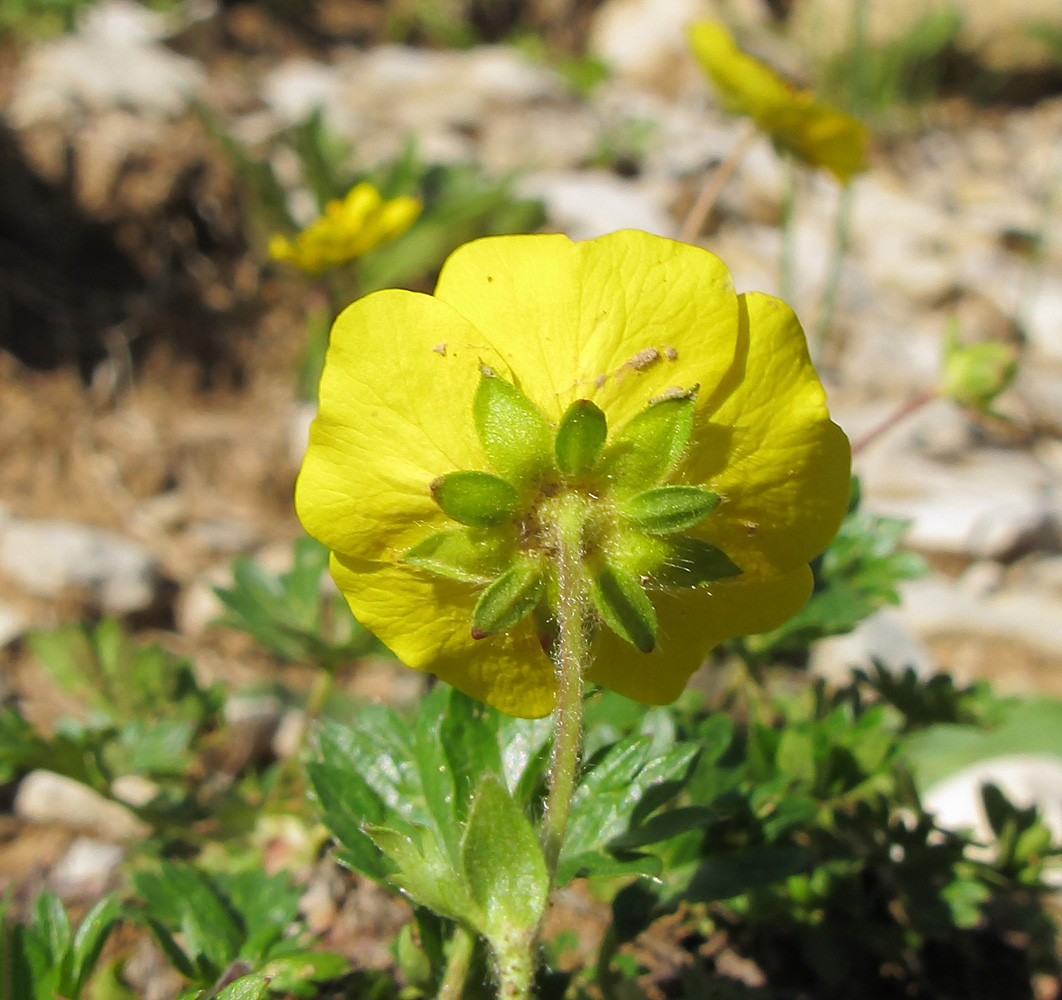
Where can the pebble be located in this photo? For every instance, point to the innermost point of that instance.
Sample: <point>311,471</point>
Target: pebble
<point>85,870</point>
<point>590,203</point>
<point>46,797</point>
<point>885,638</point>
<point>934,607</point>
<point>13,624</point>
<point>46,557</point>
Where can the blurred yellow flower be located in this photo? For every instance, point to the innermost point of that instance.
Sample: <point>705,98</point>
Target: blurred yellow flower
<point>578,374</point>
<point>816,133</point>
<point>349,228</point>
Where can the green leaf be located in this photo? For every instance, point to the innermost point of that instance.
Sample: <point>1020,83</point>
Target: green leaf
<point>477,499</point>
<point>288,972</point>
<point>515,435</point>
<point>503,863</point>
<point>349,803</point>
<point>467,554</point>
<point>624,607</point>
<point>693,563</point>
<point>182,898</point>
<point>89,940</point>
<point>424,873</point>
<point>650,444</point>
<point>664,510</point>
<point>253,987</point>
<point>469,735</point>
<point>580,437</point>
<point>508,600</point>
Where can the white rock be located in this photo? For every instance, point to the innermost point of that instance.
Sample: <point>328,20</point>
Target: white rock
<point>591,203</point>
<point>46,797</point>
<point>884,637</point>
<point>112,63</point>
<point>298,87</point>
<point>993,504</point>
<point>45,557</point>
<point>86,868</point>
<point>1043,321</point>
<point>288,738</point>
<point>134,789</point>
<point>644,38</point>
<point>1026,780</point>
<point>12,624</point>
<point>934,607</point>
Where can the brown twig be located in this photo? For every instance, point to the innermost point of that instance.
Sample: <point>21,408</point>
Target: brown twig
<point>713,186</point>
<point>903,410</point>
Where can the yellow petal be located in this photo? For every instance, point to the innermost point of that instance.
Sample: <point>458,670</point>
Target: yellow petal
<point>618,320</point>
<point>690,624</point>
<point>424,621</point>
<point>745,85</point>
<point>820,135</point>
<point>767,446</point>
<point>395,412</point>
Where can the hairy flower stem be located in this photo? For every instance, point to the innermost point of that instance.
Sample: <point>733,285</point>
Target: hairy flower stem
<point>570,658</point>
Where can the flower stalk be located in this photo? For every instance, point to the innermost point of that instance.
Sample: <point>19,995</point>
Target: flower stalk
<point>570,658</point>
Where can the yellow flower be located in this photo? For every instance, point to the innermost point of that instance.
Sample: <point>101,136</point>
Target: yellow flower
<point>349,228</point>
<point>814,132</point>
<point>622,321</point>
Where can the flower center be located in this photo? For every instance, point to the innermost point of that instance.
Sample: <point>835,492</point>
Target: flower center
<point>575,496</point>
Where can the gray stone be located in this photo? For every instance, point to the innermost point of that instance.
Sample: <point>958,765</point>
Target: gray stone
<point>46,557</point>
<point>85,870</point>
<point>46,797</point>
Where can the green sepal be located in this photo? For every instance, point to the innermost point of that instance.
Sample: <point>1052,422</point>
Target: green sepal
<point>692,563</point>
<point>650,444</point>
<point>477,499</point>
<point>508,600</point>
<point>471,555</point>
<point>624,607</point>
<point>580,437</point>
<point>663,510</point>
<point>515,435</point>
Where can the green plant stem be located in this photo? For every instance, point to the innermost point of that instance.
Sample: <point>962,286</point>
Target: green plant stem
<point>828,302</point>
<point>458,963</point>
<point>570,658</point>
<point>607,980</point>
